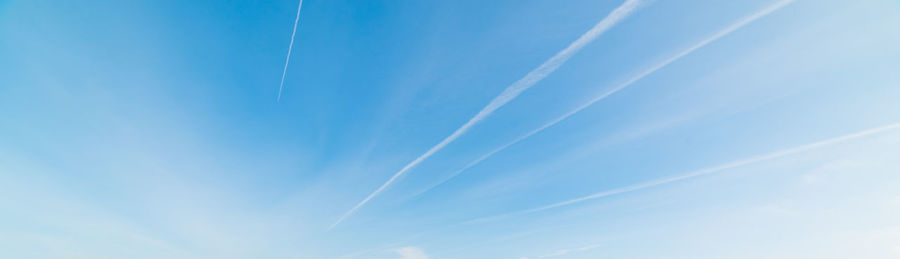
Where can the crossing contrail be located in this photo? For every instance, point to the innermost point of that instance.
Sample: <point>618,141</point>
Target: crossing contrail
<point>290,47</point>
<point>512,91</point>
<point>701,172</point>
<point>743,22</point>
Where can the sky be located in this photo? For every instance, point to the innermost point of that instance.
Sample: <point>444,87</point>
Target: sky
<point>449,129</point>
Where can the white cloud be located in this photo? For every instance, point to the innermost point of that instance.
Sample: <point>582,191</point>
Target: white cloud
<point>571,250</point>
<point>411,252</point>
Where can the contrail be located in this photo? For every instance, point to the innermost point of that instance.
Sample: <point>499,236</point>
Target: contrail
<point>290,47</point>
<point>701,172</point>
<point>618,88</point>
<point>513,91</point>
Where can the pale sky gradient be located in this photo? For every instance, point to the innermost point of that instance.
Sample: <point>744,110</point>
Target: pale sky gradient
<point>450,129</point>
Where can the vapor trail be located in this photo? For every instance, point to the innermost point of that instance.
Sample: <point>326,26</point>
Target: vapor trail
<point>290,47</point>
<point>618,88</point>
<point>701,172</point>
<point>512,91</point>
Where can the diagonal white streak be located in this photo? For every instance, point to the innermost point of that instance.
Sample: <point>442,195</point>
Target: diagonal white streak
<point>287,59</point>
<point>701,172</point>
<point>512,91</point>
<point>743,22</point>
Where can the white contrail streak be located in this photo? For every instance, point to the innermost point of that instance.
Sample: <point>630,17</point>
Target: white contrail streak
<point>290,47</point>
<point>513,91</point>
<point>701,172</point>
<point>618,88</point>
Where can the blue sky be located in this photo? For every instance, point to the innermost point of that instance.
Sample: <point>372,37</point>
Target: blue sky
<point>450,129</point>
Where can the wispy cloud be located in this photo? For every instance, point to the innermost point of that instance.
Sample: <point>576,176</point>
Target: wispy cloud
<point>287,59</point>
<point>743,22</point>
<point>411,252</point>
<point>513,91</point>
<point>698,173</point>
<point>569,250</point>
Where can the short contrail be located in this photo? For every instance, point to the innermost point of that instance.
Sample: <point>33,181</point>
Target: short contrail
<point>698,173</point>
<point>609,92</point>
<point>513,91</point>
<point>290,47</point>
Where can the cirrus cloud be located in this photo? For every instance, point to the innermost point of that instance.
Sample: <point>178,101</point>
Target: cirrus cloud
<point>411,252</point>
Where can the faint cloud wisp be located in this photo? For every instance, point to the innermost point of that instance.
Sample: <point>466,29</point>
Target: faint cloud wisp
<point>411,252</point>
